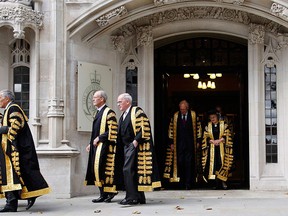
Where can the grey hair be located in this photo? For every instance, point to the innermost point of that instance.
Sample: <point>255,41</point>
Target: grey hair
<point>127,97</point>
<point>8,93</point>
<point>103,95</point>
<point>184,102</point>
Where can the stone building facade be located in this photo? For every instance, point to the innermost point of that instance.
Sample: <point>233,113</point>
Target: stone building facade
<point>42,43</point>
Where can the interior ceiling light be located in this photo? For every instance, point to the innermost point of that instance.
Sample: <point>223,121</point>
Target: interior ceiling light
<point>218,74</point>
<point>196,76</point>
<point>186,75</point>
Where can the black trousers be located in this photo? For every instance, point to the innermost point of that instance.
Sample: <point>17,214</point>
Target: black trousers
<point>130,174</point>
<point>12,199</point>
<point>186,167</point>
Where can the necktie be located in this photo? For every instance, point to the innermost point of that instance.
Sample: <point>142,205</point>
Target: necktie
<point>184,119</point>
<point>124,115</point>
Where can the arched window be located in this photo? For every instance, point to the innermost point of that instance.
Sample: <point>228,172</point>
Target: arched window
<point>20,55</point>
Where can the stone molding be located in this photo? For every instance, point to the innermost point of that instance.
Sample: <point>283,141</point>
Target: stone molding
<point>19,16</point>
<point>163,2</point>
<point>279,10</point>
<point>110,16</point>
<point>56,108</point>
<point>144,35</point>
<point>24,2</point>
<point>256,34</point>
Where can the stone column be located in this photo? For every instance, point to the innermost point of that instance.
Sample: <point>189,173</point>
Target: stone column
<point>57,157</point>
<point>282,104</point>
<point>256,102</point>
<point>145,46</point>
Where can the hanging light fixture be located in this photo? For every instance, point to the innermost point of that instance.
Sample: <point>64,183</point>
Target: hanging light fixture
<point>196,76</point>
<point>218,74</point>
<point>200,84</point>
<point>212,76</point>
<point>209,84</point>
<point>204,86</point>
<point>186,75</point>
<point>213,86</point>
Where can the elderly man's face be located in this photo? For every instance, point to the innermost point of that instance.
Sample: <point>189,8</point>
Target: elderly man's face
<point>183,109</point>
<point>122,103</point>
<point>3,101</point>
<point>98,101</point>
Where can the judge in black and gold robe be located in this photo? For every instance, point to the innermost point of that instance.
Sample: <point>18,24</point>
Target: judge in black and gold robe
<point>140,168</point>
<point>20,172</point>
<point>182,152</point>
<point>102,149</point>
<point>217,151</point>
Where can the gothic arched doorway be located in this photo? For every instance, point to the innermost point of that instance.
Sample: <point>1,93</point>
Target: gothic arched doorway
<point>204,55</point>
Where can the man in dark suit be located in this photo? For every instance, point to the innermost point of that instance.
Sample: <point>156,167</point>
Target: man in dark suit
<point>20,173</point>
<point>102,149</point>
<point>134,134</point>
<point>184,134</point>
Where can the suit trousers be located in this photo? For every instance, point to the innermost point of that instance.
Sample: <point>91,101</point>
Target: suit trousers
<point>130,174</point>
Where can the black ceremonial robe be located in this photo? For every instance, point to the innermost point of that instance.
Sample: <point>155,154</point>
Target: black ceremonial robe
<point>185,154</point>
<point>18,159</point>
<point>217,160</point>
<point>136,126</point>
<point>101,162</point>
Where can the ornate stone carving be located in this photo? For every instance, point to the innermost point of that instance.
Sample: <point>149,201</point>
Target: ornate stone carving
<point>256,34</point>
<point>198,13</point>
<point>238,2</point>
<point>144,35</point>
<point>56,108</point>
<point>19,17</point>
<point>279,10</point>
<point>282,41</point>
<point>107,18</point>
<point>118,43</point>
<point>24,2</point>
<point>163,2</point>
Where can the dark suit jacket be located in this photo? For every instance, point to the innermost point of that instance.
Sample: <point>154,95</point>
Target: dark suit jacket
<point>125,131</point>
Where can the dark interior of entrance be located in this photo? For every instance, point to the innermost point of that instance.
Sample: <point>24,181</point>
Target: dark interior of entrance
<point>204,56</point>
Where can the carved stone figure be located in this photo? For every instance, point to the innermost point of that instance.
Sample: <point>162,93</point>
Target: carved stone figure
<point>118,43</point>
<point>256,34</point>
<point>279,10</point>
<point>144,35</point>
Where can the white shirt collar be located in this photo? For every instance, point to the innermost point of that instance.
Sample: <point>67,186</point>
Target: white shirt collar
<point>127,110</point>
<point>100,108</point>
<point>8,105</point>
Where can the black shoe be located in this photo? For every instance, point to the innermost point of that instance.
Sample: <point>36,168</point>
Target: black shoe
<point>122,201</point>
<point>31,202</point>
<point>110,197</point>
<point>8,209</point>
<point>142,201</point>
<point>100,199</point>
<point>129,202</point>
<point>188,187</point>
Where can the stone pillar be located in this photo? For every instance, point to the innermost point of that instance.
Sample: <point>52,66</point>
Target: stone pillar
<point>34,92</point>
<point>57,157</point>
<point>282,104</point>
<point>256,103</point>
<point>145,46</point>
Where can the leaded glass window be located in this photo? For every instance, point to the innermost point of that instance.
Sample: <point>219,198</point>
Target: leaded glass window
<point>271,114</point>
<point>20,54</point>
<point>132,81</point>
